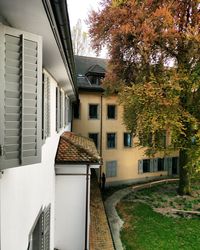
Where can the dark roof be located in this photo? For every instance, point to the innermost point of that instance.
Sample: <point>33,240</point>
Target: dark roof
<point>73,148</point>
<point>85,63</point>
<point>96,69</point>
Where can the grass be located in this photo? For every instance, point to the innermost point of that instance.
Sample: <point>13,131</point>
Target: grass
<point>165,196</point>
<point>145,229</point>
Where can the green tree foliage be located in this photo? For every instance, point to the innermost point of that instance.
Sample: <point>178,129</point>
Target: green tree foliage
<point>154,48</point>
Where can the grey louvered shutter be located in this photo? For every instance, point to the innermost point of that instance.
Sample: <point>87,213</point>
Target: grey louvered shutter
<point>168,165</point>
<point>61,109</point>
<point>57,109</point>
<point>20,97</point>
<point>155,164</point>
<point>140,166</point>
<point>69,111</point>
<point>151,165</point>
<point>46,107</point>
<point>46,228</point>
<point>66,112</point>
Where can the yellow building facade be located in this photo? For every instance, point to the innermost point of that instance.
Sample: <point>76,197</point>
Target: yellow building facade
<point>100,117</point>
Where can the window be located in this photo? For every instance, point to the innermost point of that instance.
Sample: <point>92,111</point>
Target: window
<point>76,110</point>
<point>20,98</point>
<point>111,140</point>
<point>127,140</point>
<point>94,137</point>
<point>39,237</point>
<point>111,168</point>
<point>160,164</point>
<point>111,111</point>
<point>95,79</point>
<point>93,111</point>
<point>160,139</point>
<point>175,165</point>
<point>146,139</point>
<point>146,165</point>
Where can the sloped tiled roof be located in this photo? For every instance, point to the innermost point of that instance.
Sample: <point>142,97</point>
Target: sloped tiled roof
<point>73,148</point>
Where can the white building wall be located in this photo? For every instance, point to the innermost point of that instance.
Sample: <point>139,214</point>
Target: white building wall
<point>24,190</point>
<point>70,205</point>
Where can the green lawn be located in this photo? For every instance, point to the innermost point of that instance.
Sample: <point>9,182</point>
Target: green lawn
<point>145,229</point>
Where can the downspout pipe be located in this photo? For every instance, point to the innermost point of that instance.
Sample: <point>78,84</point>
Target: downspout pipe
<point>60,11</point>
<point>101,134</point>
<point>86,207</point>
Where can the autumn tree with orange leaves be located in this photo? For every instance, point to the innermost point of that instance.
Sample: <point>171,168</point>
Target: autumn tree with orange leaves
<point>154,49</point>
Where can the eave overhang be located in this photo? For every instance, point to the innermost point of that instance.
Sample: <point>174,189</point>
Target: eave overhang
<point>46,18</point>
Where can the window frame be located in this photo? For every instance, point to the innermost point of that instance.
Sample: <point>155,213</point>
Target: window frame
<point>131,140</point>
<point>115,116</point>
<point>98,111</point>
<point>115,133</point>
<point>161,168</point>
<point>78,105</point>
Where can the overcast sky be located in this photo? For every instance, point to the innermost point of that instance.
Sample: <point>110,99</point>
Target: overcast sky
<point>80,9</point>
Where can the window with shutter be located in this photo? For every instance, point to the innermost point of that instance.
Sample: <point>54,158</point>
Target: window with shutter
<point>20,97</point>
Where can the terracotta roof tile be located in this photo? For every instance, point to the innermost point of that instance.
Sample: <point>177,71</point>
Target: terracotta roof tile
<point>74,148</point>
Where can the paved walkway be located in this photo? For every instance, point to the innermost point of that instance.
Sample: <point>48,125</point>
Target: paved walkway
<point>100,235</point>
<point>114,220</point>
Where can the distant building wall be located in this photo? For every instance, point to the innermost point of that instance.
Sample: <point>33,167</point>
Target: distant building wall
<point>126,158</point>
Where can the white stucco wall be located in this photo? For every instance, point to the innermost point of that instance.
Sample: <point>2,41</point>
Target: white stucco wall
<point>24,190</point>
<point>70,204</point>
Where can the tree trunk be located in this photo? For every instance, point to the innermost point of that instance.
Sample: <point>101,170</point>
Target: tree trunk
<point>184,183</point>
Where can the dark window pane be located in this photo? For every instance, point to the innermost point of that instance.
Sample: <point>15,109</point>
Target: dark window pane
<point>174,165</point>
<point>76,110</point>
<point>93,111</point>
<point>111,140</point>
<point>146,165</point>
<point>111,111</point>
<point>127,140</point>
<point>94,137</point>
<point>160,164</point>
<point>95,80</point>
